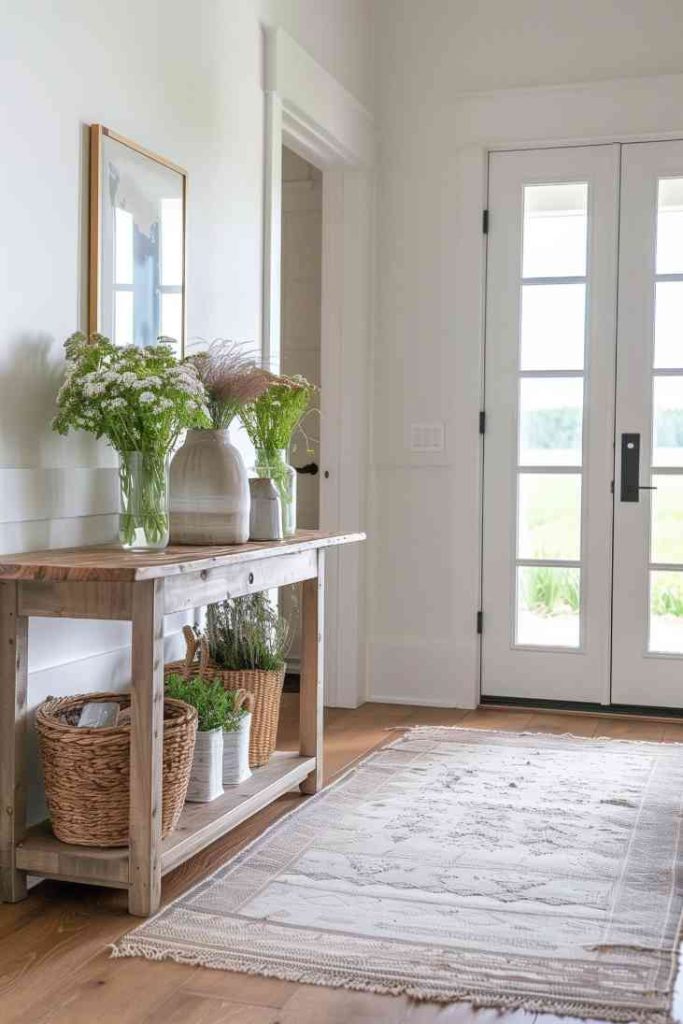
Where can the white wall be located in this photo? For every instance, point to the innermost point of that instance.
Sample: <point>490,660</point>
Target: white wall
<point>182,79</point>
<point>434,130</point>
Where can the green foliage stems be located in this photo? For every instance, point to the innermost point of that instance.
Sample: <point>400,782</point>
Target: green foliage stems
<point>550,590</point>
<point>215,705</point>
<point>144,505</point>
<point>270,421</point>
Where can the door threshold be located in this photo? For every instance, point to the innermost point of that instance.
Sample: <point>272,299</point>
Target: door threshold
<point>574,707</point>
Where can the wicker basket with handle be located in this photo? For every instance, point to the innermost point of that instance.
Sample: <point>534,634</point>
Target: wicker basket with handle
<point>87,771</point>
<point>265,686</point>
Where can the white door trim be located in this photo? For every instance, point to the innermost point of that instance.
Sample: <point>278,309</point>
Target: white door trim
<point>308,110</point>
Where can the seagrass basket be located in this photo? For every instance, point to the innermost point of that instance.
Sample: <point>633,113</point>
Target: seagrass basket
<point>87,771</point>
<point>265,686</point>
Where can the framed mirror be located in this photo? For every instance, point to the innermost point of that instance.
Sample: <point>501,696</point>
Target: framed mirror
<point>137,242</point>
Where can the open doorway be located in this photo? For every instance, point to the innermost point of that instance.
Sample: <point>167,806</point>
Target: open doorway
<point>300,303</point>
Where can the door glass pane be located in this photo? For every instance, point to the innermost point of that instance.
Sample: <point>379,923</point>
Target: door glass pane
<point>553,326</point>
<point>550,415</point>
<point>666,612</point>
<point>667,519</point>
<point>668,421</point>
<point>669,325</point>
<point>549,516</point>
<point>670,226</point>
<point>555,223</point>
<point>548,603</point>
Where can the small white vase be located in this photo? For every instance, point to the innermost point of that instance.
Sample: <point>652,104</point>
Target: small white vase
<point>209,491</point>
<point>265,520</point>
<point>206,774</point>
<point>236,754</point>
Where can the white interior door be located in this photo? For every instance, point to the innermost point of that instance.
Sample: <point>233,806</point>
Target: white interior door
<point>548,462</point>
<point>648,524</point>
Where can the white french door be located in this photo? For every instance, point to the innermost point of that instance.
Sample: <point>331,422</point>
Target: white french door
<point>583,563</point>
<point>647,633</point>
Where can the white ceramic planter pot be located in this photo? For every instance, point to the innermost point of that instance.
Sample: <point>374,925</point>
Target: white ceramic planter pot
<point>206,775</point>
<point>236,754</point>
<point>209,491</point>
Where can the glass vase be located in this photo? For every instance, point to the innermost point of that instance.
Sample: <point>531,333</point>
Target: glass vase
<point>143,515</point>
<point>273,464</point>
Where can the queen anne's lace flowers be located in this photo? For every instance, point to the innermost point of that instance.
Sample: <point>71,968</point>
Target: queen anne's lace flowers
<point>139,399</point>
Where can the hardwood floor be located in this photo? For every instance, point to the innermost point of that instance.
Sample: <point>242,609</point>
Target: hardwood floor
<point>54,963</point>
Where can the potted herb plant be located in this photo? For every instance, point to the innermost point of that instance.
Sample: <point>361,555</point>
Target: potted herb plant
<point>140,400</point>
<point>219,712</point>
<point>209,482</point>
<point>247,644</point>
<point>270,422</point>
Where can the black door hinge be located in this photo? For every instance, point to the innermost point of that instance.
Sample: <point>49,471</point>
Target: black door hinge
<point>482,422</point>
<point>485,221</point>
<point>480,622</point>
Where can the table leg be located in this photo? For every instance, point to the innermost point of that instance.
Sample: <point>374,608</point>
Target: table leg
<point>146,741</point>
<point>311,690</point>
<point>13,723</point>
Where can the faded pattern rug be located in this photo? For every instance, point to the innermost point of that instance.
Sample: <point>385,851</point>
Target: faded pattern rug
<point>507,870</point>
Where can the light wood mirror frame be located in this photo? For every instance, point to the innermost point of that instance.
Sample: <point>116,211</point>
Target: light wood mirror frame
<point>98,134</point>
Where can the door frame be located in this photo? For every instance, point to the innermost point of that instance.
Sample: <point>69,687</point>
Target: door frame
<point>307,110</point>
<point>593,113</point>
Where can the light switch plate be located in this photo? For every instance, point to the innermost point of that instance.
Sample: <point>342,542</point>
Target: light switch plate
<point>427,437</point>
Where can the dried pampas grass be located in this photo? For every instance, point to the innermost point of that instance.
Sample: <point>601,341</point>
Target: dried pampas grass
<point>231,379</point>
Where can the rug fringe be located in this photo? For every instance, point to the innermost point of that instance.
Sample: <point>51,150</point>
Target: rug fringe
<point>477,998</point>
<point>538,732</point>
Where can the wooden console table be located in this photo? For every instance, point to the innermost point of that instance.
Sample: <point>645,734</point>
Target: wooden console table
<point>109,583</point>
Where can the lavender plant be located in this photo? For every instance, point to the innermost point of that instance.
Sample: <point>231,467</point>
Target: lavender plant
<point>247,633</point>
<point>139,400</point>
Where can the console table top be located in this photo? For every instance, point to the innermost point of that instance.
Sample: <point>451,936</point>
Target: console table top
<point>111,563</point>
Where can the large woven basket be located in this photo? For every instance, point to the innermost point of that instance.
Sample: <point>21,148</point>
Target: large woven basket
<point>264,685</point>
<point>87,771</point>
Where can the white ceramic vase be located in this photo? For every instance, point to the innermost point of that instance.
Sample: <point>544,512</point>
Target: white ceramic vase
<point>209,491</point>
<point>236,754</point>
<point>206,774</point>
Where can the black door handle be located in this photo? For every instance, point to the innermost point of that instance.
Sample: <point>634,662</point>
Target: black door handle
<point>630,468</point>
<point>311,468</point>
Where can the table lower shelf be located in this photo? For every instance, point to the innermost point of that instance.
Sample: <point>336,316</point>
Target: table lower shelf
<point>41,853</point>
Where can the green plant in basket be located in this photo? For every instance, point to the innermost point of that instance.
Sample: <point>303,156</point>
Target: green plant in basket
<point>247,633</point>
<point>215,706</point>
<point>139,400</point>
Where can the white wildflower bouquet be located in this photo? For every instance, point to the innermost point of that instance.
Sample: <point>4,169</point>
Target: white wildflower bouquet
<point>139,399</point>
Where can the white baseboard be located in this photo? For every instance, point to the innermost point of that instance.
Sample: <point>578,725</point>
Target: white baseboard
<point>417,701</point>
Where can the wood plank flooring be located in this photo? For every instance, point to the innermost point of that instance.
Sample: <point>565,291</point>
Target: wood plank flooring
<point>54,963</point>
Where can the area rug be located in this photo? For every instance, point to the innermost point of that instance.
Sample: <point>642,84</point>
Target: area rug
<point>508,870</point>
